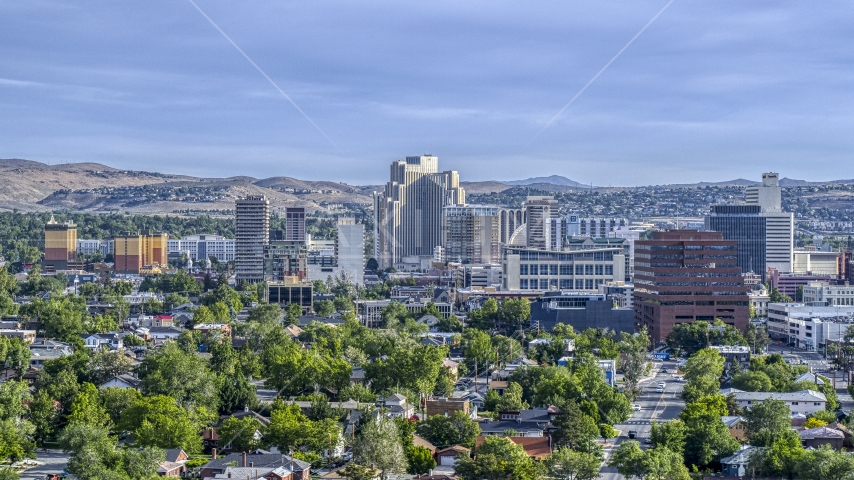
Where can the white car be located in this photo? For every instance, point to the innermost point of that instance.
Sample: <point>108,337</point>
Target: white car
<point>659,390</point>
<point>636,407</point>
<point>662,384</point>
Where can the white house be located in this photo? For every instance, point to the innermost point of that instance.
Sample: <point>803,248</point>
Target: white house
<point>805,402</point>
<point>398,407</point>
<point>122,381</point>
<point>97,341</point>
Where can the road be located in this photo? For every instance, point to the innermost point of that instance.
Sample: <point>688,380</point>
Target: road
<point>816,362</point>
<point>659,407</point>
<point>51,463</point>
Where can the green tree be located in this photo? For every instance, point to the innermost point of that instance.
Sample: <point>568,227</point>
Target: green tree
<point>420,460</point>
<point>629,460</point>
<point>477,349</point>
<point>161,421</point>
<point>106,365</point>
<point>707,439</point>
<point>240,434</point>
<point>567,464</point>
<point>87,408</point>
<point>515,311</point>
<point>573,428</point>
<point>116,400</point>
<point>185,377</point>
<point>751,381</point>
<point>95,456</point>
<point>498,458</point>
<point>825,463</point>
<point>324,308</point>
<point>766,421</point>
<point>511,400</point>
<point>781,459</point>
<point>670,435</point>
<point>13,396</point>
<point>379,445</point>
<point>455,429</point>
<point>634,349</point>
<point>357,472</point>
<point>16,441</point>
<point>44,415</point>
<point>292,313</point>
<point>662,464</point>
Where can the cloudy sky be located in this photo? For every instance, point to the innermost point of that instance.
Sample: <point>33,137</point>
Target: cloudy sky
<point>712,90</point>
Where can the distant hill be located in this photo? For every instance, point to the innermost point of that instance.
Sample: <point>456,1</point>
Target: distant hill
<point>553,179</point>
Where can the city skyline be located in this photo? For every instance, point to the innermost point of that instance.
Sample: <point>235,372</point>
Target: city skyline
<point>705,90</point>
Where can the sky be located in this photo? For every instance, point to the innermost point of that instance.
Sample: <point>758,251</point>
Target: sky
<point>710,91</point>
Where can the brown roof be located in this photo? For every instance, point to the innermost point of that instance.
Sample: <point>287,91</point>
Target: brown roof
<point>494,384</point>
<point>537,448</point>
<point>422,442</point>
<point>454,450</point>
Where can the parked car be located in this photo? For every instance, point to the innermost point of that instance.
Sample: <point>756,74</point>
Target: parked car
<point>636,407</point>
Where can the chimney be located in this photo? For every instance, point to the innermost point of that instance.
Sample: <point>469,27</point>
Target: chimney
<point>244,460</point>
<point>213,454</point>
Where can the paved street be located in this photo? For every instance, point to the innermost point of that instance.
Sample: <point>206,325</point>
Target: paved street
<point>817,363</point>
<point>658,407</point>
<point>52,463</point>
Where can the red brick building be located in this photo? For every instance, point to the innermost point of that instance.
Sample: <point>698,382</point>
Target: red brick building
<point>687,276</point>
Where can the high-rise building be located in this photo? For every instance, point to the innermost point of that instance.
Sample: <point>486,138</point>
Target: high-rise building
<point>60,244</point>
<point>135,250</point>
<point>283,259</point>
<point>408,214</point>
<point>573,225</point>
<point>510,219</point>
<point>252,230</point>
<point>539,212</point>
<point>295,224</point>
<point>765,234</point>
<point>350,249</point>
<point>683,276</point>
<point>472,234</point>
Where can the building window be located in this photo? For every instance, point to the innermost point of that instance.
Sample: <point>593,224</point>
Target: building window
<point>553,270</point>
<point>544,284</point>
<point>588,284</point>
<point>609,270</point>
<point>588,269</point>
<point>579,269</point>
<point>566,269</point>
<point>565,284</point>
<point>599,269</point>
<point>523,284</point>
<point>523,269</point>
<point>579,284</point>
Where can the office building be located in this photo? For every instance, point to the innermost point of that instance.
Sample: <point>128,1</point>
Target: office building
<point>832,295</point>
<point>472,234</point>
<point>539,212</point>
<point>594,227</point>
<point>60,245</point>
<point>136,250</point>
<point>284,259</point>
<point>816,262</point>
<point>291,290</point>
<point>534,269</point>
<point>573,244</point>
<point>621,293</point>
<point>203,247</point>
<point>581,311</point>
<point>790,283</point>
<point>295,224</point>
<point>408,214</point>
<point>350,249</point>
<point>344,255</point>
<point>91,246</point>
<point>683,276</point>
<point>510,219</point>
<point>252,233</point>
<point>765,234</point>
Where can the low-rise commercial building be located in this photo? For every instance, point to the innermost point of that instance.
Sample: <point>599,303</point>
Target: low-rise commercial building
<point>581,311</point>
<point>807,326</point>
<point>370,311</point>
<point>823,292</point>
<point>291,290</point>
<point>532,269</point>
<point>202,247</point>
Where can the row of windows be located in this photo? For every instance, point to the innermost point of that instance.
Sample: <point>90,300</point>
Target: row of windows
<point>565,270</point>
<point>563,284</point>
<point>526,255</point>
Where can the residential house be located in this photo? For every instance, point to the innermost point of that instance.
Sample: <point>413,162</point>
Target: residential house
<point>255,460</point>
<point>44,350</point>
<point>397,406</point>
<point>804,401</point>
<point>357,375</point>
<point>738,465</point>
<point>497,385</point>
<point>538,448</point>
<point>816,437</point>
<point>527,423</point>
<point>174,464</point>
<point>162,334</point>
<point>123,381</point>
<point>474,398</point>
<point>736,427</point>
<point>451,455</point>
<point>223,328</point>
<point>210,441</point>
<point>453,368</point>
<point>293,331</point>
<point>98,341</point>
<point>447,406</point>
<point>280,473</point>
<point>431,321</point>
<point>419,441</point>
<point>26,336</point>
